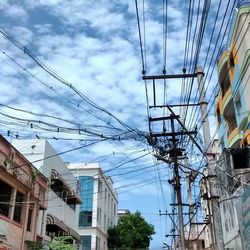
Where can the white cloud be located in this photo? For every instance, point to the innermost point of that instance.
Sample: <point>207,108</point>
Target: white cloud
<point>13,10</point>
<point>93,45</point>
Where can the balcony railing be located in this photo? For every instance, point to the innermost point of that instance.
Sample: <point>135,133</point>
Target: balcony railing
<point>221,51</point>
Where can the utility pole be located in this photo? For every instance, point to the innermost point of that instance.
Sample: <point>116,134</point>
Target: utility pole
<point>191,212</point>
<point>172,150</point>
<point>177,185</point>
<point>211,180</point>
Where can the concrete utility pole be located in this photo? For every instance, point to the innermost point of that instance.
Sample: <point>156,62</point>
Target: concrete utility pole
<point>211,181</point>
<point>191,213</point>
<point>177,186</point>
<point>172,150</point>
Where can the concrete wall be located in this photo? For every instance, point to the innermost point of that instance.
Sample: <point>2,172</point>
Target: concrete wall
<point>40,151</point>
<point>62,211</point>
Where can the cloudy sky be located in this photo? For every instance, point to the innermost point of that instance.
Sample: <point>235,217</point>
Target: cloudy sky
<point>71,72</point>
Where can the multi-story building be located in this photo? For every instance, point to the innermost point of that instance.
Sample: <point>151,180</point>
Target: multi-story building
<point>98,211</point>
<point>23,199</point>
<point>233,102</point>
<point>63,196</point>
<point>232,165</point>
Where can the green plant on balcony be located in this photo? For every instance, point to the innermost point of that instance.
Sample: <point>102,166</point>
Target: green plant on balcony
<point>33,245</point>
<point>62,243</point>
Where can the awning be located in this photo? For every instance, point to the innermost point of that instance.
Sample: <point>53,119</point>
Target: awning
<point>53,220</point>
<point>70,192</point>
<point>73,233</point>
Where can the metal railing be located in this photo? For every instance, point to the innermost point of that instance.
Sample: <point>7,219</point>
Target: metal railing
<point>223,48</point>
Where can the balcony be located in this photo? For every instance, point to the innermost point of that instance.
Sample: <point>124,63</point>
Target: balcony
<point>225,99</point>
<point>222,53</point>
<point>223,57</point>
<point>246,139</point>
<point>233,134</point>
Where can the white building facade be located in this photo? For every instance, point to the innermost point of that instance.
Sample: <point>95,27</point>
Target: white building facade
<point>98,211</point>
<point>61,217</point>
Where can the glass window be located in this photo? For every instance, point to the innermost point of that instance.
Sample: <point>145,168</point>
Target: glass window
<point>87,188</point>
<point>85,242</point>
<point>5,196</point>
<point>18,207</point>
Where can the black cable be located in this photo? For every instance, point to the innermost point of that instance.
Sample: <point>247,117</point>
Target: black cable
<point>60,79</point>
<point>140,39</point>
<point>226,75</point>
<point>192,119</point>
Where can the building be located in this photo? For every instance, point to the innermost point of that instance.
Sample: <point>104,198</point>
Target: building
<point>23,199</point>
<point>231,162</point>
<point>98,211</point>
<point>63,196</point>
<point>195,238</point>
<point>121,212</point>
<point>233,102</point>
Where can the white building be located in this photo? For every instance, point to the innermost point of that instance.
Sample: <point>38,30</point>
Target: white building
<point>62,213</point>
<point>98,211</point>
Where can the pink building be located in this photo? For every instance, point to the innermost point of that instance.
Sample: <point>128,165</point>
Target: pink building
<point>23,199</point>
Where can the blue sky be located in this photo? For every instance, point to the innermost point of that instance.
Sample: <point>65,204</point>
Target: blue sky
<point>94,46</point>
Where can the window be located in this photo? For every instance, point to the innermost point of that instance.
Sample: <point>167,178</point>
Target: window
<point>41,194</point>
<point>18,207</point>
<point>109,201</point>
<point>203,244</point>
<point>5,197</point>
<point>97,217</point>
<point>231,60</point>
<point>98,243</point>
<point>218,116</point>
<point>100,219</point>
<point>57,186</point>
<point>105,198</point>
<point>114,208</point>
<point>241,158</point>
<point>85,219</point>
<point>29,220</point>
<point>238,102</point>
<point>99,186</point>
<point>85,242</point>
<point>87,187</point>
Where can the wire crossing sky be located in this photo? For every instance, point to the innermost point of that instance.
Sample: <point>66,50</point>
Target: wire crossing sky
<point>71,73</point>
